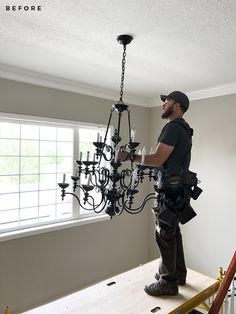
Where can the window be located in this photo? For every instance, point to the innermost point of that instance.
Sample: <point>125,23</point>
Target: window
<point>34,156</point>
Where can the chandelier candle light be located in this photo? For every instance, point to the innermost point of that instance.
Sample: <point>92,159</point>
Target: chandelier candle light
<point>116,189</point>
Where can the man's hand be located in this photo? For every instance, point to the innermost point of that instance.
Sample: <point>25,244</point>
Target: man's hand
<point>123,156</point>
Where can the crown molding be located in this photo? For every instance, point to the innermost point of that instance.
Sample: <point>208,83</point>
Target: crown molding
<point>216,91</point>
<point>36,78</point>
<point>220,90</point>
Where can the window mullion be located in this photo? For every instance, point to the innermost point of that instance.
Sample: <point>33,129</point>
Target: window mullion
<point>19,197</point>
<point>76,207</point>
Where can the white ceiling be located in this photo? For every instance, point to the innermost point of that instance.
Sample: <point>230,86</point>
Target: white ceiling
<point>71,44</point>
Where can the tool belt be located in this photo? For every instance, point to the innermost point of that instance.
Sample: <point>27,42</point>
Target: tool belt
<point>171,210</point>
<point>185,179</point>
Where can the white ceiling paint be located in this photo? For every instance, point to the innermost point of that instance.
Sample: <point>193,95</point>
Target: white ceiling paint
<point>183,45</point>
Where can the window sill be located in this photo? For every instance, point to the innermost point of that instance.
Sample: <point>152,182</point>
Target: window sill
<point>51,227</point>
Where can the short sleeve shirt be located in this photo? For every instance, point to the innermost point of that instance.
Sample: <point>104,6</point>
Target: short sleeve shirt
<point>177,133</point>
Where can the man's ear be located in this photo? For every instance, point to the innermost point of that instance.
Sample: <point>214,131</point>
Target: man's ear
<point>177,105</point>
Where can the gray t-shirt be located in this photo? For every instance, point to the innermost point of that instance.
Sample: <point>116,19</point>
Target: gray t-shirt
<point>177,133</point>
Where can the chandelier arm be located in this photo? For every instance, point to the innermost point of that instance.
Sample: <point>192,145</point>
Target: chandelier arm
<point>84,191</point>
<point>96,206</point>
<point>118,213</point>
<point>89,196</point>
<point>105,138</point>
<point>111,150</point>
<point>94,175</point>
<point>97,175</point>
<point>122,178</point>
<point>69,193</point>
<point>107,175</point>
<point>122,197</point>
<point>140,208</point>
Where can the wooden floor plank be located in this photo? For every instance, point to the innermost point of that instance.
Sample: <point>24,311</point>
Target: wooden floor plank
<point>126,295</point>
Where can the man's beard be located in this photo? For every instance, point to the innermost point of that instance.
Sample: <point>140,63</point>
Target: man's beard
<point>168,112</point>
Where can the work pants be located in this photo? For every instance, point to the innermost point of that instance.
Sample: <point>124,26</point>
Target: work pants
<point>172,263</point>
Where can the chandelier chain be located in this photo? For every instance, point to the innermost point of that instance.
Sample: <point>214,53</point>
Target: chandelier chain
<point>122,75</point>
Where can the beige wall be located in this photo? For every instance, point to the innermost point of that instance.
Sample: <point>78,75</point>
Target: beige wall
<point>36,269</point>
<point>210,238</point>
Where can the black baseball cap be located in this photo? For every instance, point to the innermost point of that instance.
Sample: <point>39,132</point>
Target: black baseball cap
<point>178,97</point>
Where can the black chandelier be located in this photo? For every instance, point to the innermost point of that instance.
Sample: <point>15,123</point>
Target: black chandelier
<point>116,189</point>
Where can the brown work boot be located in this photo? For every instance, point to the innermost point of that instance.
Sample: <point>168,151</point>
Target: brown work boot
<point>180,282</point>
<point>159,288</point>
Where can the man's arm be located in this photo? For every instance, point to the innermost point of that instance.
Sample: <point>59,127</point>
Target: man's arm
<point>157,159</point>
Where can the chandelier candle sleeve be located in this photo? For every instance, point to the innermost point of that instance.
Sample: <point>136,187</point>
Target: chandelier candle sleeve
<point>134,178</point>
<point>87,155</point>
<point>75,169</point>
<point>98,137</point>
<point>116,154</point>
<point>143,155</point>
<point>64,178</point>
<point>88,179</point>
<point>133,133</point>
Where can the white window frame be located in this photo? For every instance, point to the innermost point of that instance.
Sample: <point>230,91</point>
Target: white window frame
<point>77,218</point>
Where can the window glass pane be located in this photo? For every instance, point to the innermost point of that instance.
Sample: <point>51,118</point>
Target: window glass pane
<point>28,213</point>
<point>64,149</point>
<point>28,222</point>
<point>64,210</point>
<point>47,197</point>
<point>29,182</point>
<point>48,181</point>
<point>47,213</point>
<point>94,135</point>
<point>9,165</point>
<point>29,148</point>
<point>9,130</point>
<point>48,133</point>
<point>9,147</point>
<point>64,134</point>
<point>7,216</point>
<point>48,148</point>
<point>48,164</point>
<point>9,184</point>
<point>28,199</point>
<point>9,201</point>
<point>29,131</point>
<point>7,226</point>
<point>29,165</point>
<point>84,135</point>
<point>65,164</point>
